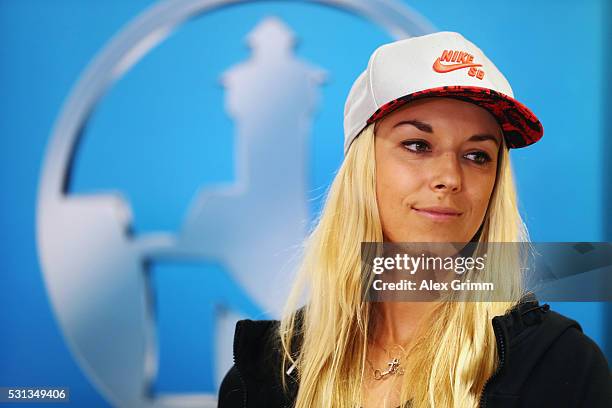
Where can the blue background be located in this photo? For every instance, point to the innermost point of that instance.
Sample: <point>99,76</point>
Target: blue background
<point>552,52</point>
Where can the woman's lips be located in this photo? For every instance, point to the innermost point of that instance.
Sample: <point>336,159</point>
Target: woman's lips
<point>438,213</point>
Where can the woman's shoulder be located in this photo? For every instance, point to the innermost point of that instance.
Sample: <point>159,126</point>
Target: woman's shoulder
<point>256,369</point>
<point>562,336</point>
<point>252,360</point>
<point>574,367</point>
<point>560,362</point>
<point>575,351</point>
<point>259,339</point>
<point>255,345</point>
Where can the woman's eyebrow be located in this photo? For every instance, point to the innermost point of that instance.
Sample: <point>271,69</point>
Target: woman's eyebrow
<point>422,126</point>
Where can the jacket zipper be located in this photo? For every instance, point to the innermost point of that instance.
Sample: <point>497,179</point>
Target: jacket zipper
<point>502,359</point>
<point>244,389</point>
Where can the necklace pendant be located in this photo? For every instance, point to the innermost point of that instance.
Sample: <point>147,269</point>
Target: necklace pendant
<point>393,369</point>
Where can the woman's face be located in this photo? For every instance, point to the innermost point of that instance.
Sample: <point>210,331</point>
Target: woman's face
<point>436,162</point>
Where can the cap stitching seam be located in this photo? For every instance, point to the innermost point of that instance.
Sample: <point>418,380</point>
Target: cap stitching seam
<point>370,78</point>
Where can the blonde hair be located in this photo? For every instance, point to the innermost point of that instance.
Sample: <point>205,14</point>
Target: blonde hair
<point>334,331</point>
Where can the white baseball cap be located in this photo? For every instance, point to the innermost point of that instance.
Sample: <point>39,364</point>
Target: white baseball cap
<point>439,64</point>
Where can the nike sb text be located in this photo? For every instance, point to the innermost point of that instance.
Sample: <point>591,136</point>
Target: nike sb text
<point>452,60</point>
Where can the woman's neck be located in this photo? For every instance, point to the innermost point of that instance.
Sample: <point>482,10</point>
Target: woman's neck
<point>398,322</point>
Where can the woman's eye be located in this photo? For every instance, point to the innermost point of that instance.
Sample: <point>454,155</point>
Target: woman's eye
<point>478,157</point>
<point>417,146</point>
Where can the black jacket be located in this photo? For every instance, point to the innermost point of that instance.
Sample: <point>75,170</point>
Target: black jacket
<point>544,361</point>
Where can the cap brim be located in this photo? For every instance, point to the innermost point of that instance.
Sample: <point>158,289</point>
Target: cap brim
<point>520,126</point>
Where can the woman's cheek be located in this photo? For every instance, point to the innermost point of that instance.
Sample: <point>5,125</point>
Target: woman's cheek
<point>482,194</point>
<point>480,208</point>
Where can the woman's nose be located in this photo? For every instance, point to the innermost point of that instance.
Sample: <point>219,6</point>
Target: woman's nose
<point>446,174</point>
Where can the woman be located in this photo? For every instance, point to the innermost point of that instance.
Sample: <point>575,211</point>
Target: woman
<point>428,126</point>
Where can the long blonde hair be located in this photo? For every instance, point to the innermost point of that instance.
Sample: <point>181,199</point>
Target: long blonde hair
<point>334,330</point>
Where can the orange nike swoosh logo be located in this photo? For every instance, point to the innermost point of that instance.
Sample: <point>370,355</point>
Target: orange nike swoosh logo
<point>439,67</point>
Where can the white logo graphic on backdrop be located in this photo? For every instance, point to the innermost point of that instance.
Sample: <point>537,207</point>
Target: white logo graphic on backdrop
<point>271,99</point>
<point>255,226</point>
<point>95,272</point>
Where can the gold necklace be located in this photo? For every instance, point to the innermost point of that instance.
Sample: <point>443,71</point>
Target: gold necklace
<point>393,365</point>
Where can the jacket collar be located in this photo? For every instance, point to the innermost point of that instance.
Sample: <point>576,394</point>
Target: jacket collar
<point>255,347</point>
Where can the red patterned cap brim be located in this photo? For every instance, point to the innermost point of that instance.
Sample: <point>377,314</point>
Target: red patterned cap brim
<point>519,125</point>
